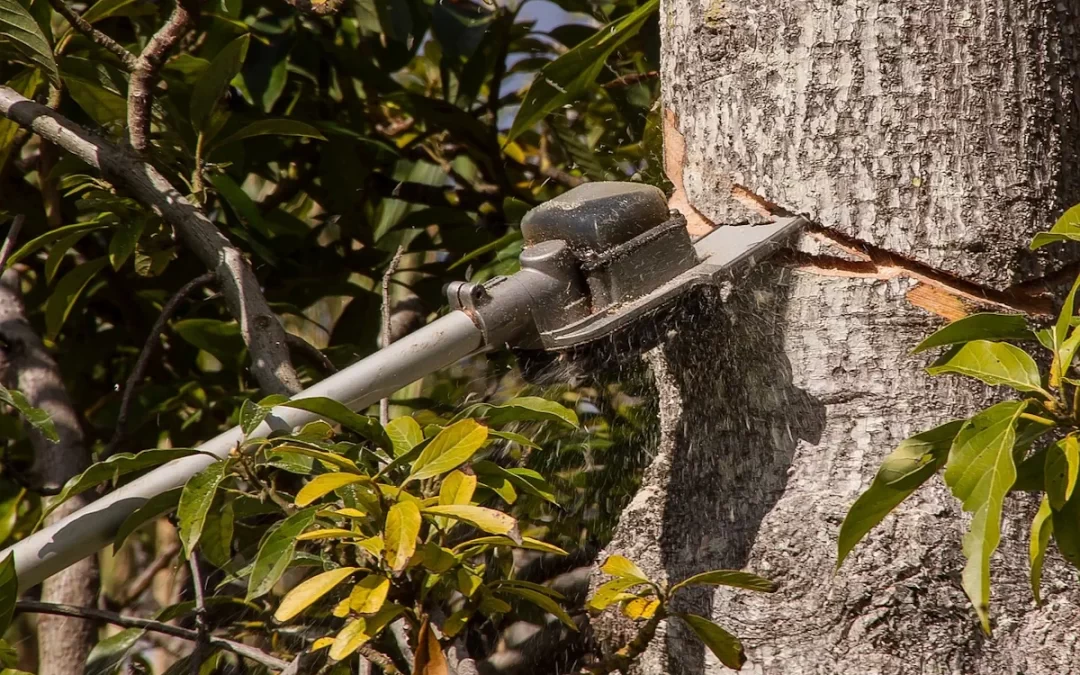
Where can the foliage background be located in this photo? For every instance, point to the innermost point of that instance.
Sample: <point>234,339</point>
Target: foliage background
<point>380,126</point>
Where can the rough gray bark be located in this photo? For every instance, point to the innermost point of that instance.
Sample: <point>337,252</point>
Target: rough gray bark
<point>25,364</point>
<point>945,132</point>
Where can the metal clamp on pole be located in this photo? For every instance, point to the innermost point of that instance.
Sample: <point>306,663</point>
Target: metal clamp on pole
<point>596,258</point>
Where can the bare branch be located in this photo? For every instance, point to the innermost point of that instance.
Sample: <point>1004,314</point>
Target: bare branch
<point>26,365</point>
<point>144,76</point>
<point>103,40</point>
<point>317,7</point>
<point>311,351</point>
<point>152,342</point>
<point>10,239</point>
<point>632,78</point>
<point>384,404</point>
<point>259,326</point>
<point>199,653</point>
<point>146,577</point>
<point>91,614</point>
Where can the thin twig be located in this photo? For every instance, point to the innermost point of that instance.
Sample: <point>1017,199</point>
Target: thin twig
<point>199,653</point>
<point>259,326</point>
<point>311,351</point>
<point>384,404</point>
<point>381,660</point>
<point>149,347</point>
<point>92,614</point>
<point>632,78</point>
<point>622,659</point>
<point>144,76</point>
<point>96,36</point>
<point>9,241</point>
<point>146,577</point>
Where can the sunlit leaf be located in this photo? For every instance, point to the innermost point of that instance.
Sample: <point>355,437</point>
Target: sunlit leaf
<point>453,446</point>
<point>195,501</point>
<point>725,646</point>
<point>986,326</point>
<point>622,568</point>
<point>488,520</point>
<point>980,472</point>
<point>1042,526</point>
<point>108,655</point>
<point>1060,472</point>
<point>369,594</point>
<point>1066,228</point>
<point>402,528</point>
<point>457,488</point>
<point>530,408</point>
<point>992,362</point>
<point>325,484</point>
<point>358,632</point>
<point>116,466</point>
<point>335,411</point>
<point>38,418</point>
<point>309,591</point>
<point>526,543</point>
<point>610,592</point>
<point>641,609</point>
<point>9,592</point>
<point>405,434</point>
<point>901,473</point>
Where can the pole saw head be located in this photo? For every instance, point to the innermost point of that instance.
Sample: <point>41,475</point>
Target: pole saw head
<point>599,258</point>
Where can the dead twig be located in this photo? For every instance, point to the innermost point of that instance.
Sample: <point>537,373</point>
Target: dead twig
<point>10,240</point>
<point>78,23</point>
<point>149,347</point>
<point>384,404</point>
<point>91,614</point>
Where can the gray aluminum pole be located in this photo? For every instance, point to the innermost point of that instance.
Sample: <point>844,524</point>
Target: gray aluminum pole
<point>88,530</point>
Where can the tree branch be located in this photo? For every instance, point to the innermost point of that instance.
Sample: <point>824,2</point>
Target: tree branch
<point>311,351</point>
<point>103,40</point>
<point>144,76</point>
<point>384,404</point>
<point>91,614</point>
<point>199,653</point>
<point>146,577</point>
<point>317,7</point>
<point>152,342</point>
<point>260,328</point>
<point>10,239</point>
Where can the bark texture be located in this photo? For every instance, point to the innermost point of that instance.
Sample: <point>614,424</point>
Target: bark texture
<point>25,364</point>
<point>942,131</point>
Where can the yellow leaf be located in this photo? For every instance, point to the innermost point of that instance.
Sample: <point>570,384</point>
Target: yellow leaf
<point>341,610</point>
<point>429,655</point>
<point>301,597</point>
<point>327,533</point>
<point>324,484</point>
<point>641,608</point>
<point>402,529</point>
<point>618,566</point>
<point>450,448</point>
<point>357,632</point>
<point>457,488</point>
<point>488,520</point>
<point>373,545</point>
<point>467,582</point>
<point>368,596</point>
<point>405,434</point>
<point>321,643</point>
<point>348,513</point>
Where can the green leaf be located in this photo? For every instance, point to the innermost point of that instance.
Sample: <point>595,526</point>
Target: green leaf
<point>530,409</point>
<point>609,592</point>
<point>994,363</point>
<point>622,568</point>
<point>1062,465</point>
<point>566,78</point>
<point>38,418</point>
<point>102,105</point>
<point>525,543</point>
<point>488,520</point>
<point>276,552</point>
<point>275,127</point>
<point>57,254</point>
<point>154,507</point>
<point>26,83</point>
<point>20,29</point>
<point>221,339</point>
<point>67,292</point>
<point>304,595</point>
<point>1066,228</point>
<point>123,242</point>
<point>402,528</point>
<point>903,471</point>
<point>334,411</point>
<point>987,326</point>
<point>980,472</point>
<point>404,434</point>
<point>195,501</point>
<point>328,459</point>
<point>542,601</point>
<point>1041,528</point>
<point>723,644</point>
<point>216,540</point>
<point>53,235</point>
<point>325,484</point>
<point>523,441</point>
<point>103,9</point>
<point>116,466</point>
<point>211,85</point>
<point>251,416</point>
<point>733,578</point>
<point>108,656</point>
<point>9,592</point>
<point>450,448</point>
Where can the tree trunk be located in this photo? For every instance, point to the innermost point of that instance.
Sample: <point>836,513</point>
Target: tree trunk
<point>25,364</point>
<point>942,132</point>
